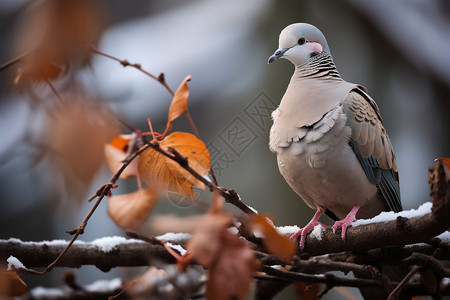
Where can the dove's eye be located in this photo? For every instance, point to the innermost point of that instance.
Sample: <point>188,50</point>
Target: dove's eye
<point>301,41</point>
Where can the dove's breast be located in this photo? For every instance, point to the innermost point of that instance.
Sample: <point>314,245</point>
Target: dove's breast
<point>321,167</point>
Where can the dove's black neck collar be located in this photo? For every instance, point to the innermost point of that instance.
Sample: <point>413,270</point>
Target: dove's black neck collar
<point>319,66</point>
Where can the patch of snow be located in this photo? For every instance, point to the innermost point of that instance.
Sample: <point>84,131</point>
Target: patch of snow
<point>176,247</point>
<point>390,216</point>
<point>445,236</point>
<point>317,232</point>
<point>277,267</point>
<point>14,262</point>
<point>252,209</point>
<point>171,236</point>
<point>46,293</point>
<point>108,243</point>
<point>416,244</point>
<point>104,285</point>
<point>288,230</point>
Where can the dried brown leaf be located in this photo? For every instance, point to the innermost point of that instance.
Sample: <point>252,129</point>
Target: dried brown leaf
<point>129,211</point>
<point>156,169</point>
<point>116,151</point>
<point>277,244</point>
<point>179,102</point>
<point>76,136</point>
<point>206,241</point>
<point>58,33</point>
<point>11,284</point>
<point>231,272</point>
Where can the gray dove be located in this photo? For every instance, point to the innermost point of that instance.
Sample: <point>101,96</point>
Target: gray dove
<point>329,138</point>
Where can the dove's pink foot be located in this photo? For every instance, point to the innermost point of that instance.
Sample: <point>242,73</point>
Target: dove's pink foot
<point>308,228</point>
<point>347,221</point>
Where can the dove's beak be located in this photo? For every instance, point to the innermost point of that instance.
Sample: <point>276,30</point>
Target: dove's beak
<point>277,55</point>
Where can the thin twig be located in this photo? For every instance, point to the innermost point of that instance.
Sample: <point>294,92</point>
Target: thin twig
<point>55,92</point>
<point>229,195</point>
<point>395,293</point>
<point>161,79</point>
<point>326,278</point>
<point>126,63</point>
<point>15,60</point>
<point>101,193</point>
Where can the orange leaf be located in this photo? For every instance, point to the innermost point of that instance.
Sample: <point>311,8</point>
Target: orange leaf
<point>11,284</point>
<point>446,162</point>
<point>231,273</point>
<point>179,103</point>
<point>157,169</point>
<point>116,152</point>
<point>276,243</point>
<point>130,210</point>
<point>121,142</point>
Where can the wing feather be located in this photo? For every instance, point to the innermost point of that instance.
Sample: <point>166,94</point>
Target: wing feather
<point>371,145</point>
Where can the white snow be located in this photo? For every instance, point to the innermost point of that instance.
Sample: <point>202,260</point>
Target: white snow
<point>104,285</point>
<point>317,232</point>
<point>277,267</point>
<point>46,293</point>
<point>176,247</point>
<point>288,230</point>
<point>171,236</point>
<point>97,286</point>
<point>14,262</point>
<point>445,236</point>
<point>390,216</point>
<point>252,209</point>
<point>108,243</point>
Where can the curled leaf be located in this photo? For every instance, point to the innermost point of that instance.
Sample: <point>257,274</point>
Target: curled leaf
<point>130,210</point>
<point>116,151</point>
<point>276,243</point>
<point>157,169</point>
<point>179,102</point>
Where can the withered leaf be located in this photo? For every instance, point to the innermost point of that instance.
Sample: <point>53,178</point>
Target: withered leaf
<point>446,162</point>
<point>206,242</point>
<point>179,102</point>
<point>11,284</point>
<point>157,169</point>
<point>58,34</point>
<point>76,136</point>
<point>129,211</point>
<point>230,275</point>
<point>116,152</point>
<point>277,244</point>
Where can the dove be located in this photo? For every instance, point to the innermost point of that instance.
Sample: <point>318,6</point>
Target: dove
<point>329,138</point>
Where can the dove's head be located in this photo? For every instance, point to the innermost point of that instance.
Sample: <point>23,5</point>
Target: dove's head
<point>299,42</point>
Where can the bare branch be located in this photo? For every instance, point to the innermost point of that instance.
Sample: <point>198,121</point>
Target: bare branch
<point>38,255</point>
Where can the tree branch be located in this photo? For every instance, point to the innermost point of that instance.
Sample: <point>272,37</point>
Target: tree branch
<point>399,232</point>
<point>41,254</point>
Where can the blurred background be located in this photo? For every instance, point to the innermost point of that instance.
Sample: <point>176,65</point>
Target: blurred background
<point>399,50</point>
